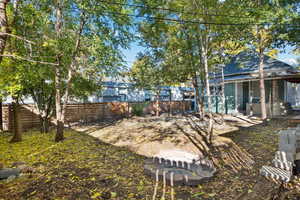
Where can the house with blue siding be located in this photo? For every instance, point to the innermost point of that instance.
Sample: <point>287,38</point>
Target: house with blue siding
<point>126,92</point>
<point>241,81</point>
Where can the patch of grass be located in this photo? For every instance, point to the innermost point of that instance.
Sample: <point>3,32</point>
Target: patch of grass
<point>82,167</point>
<point>33,142</point>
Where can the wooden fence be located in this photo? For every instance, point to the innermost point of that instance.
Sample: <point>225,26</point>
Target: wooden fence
<point>90,112</point>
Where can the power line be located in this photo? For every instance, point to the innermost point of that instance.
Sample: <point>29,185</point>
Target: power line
<point>196,22</point>
<point>171,10</point>
<point>179,20</point>
<point>187,21</point>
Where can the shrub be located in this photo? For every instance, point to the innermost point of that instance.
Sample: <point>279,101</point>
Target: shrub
<point>138,109</point>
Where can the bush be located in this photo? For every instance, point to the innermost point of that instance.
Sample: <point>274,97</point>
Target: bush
<point>138,109</point>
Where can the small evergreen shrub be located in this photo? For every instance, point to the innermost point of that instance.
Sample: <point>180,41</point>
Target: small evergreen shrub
<point>138,109</point>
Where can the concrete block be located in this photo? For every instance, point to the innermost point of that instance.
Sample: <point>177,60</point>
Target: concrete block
<point>276,173</point>
<point>285,156</point>
<point>7,172</point>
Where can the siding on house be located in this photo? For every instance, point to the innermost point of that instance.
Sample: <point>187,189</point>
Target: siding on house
<point>239,103</point>
<point>242,81</point>
<point>293,94</point>
<point>126,92</point>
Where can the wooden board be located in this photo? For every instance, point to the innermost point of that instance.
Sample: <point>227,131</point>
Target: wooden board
<point>293,121</point>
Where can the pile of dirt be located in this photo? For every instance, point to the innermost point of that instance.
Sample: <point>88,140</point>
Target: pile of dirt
<point>148,136</point>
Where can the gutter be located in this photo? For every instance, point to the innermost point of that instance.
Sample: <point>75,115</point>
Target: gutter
<point>257,79</point>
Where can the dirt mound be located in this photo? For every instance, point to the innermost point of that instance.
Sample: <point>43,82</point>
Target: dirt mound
<point>150,135</point>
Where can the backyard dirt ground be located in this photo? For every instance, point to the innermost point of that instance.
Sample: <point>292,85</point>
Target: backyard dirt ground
<point>148,136</point>
<point>84,167</point>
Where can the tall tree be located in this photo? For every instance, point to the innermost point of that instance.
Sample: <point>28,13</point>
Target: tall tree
<point>147,74</point>
<point>20,50</point>
<point>82,20</point>
<point>8,18</point>
<point>58,73</point>
<point>4,26</point>
<point>36,50</point>
<point>3,36</point>
<point>270,16</point>
<point>186,39</point>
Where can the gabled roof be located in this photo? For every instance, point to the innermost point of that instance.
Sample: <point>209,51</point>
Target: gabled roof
<point>247,62</point>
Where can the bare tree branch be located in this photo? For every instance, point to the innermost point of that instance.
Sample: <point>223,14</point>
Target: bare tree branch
<point>28,59</point>
<point>18,37</point>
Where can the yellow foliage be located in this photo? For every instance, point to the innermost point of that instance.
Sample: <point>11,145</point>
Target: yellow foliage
<point>273,53</point>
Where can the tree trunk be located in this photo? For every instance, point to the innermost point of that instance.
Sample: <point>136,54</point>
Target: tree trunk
<point>59,131</point>
<point>199,103</point>
<point>3,26</point>
<point>1,117</point>
<point>58,105</point>
<point>58,80</point>
<point>204,54</point>
<point>61,104</point>
<point>262,85</point>
<point>44,124</point>
<point>170,102</point>
<point>261,70</point>
<point>17,125</point>
<point>202,110</point>
<point>207,85</point>
<point>223,92</point>
<point>45,109</point>
<point>209,109</point>
<point>201,63</point>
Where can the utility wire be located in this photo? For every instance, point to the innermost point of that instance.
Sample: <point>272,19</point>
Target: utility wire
<point>170,10</point>
<point>181,21</point>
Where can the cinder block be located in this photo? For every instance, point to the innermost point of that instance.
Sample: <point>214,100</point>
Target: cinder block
<point>276,173</point>
<point>288,141</point>
<point>285,156</point>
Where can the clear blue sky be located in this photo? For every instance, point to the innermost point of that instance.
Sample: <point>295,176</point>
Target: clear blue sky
<point>130,54</point>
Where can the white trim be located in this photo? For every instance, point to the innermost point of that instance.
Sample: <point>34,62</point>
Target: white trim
<point>257,79</point>
<point>236,96</point>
